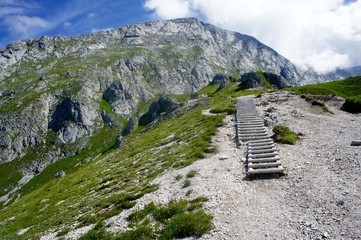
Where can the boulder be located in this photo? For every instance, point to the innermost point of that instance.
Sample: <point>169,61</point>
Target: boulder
<point>60,174</point>
<point>220,79</point>
<point>161,107</point>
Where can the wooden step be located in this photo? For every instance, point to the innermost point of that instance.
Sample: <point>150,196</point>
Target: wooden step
<point>270,159</point>
<point>252,171</point>
<point>266,150</point>
<point>262,155</point>
<point>264,165</point>
<point>267,146</point>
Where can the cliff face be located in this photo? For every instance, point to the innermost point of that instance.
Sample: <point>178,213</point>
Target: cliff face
<point>56,93</point>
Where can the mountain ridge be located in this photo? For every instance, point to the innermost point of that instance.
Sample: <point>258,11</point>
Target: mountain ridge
<point>123,67</point>
<point>87,123</point>
<point>60,94</point>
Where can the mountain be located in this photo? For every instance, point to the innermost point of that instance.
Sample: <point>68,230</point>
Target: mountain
<point>341,73</point>
<point>87,122</point>
<point>62,97</point>
<point>60,90</point>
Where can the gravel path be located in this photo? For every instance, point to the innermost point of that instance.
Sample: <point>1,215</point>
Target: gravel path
<point>319,198</point>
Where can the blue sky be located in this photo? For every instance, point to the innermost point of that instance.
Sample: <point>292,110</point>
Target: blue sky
<point>322,34</point>
<point>21,19</point>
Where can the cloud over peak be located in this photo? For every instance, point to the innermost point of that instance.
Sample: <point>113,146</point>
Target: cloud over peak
<point>322,34</point>
<point>166,9</point>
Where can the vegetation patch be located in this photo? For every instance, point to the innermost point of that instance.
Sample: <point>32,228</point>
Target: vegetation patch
<point>227,110</point>
<point>263,80</point>
<point>284,135</point>
<point>316,102</point>
<point>113,180</point>
<point>349,89</point>
<point>178,177</point>
<point>102,181</point>
<point>186,183</point>
<point>178,219</point>
<point>191,173</point>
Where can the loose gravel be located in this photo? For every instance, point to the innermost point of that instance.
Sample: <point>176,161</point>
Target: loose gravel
<point>318,198</point>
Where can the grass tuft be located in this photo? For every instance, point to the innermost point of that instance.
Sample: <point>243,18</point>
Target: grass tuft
<point>178,219</point>
<point>316,102</point>
<point>187,225</point>
<point>284,135</point>
<point>178,177</point>
<point>189,192</point>
<point>349,89</point>
<point>191,173</point>
<point>186,183</point>
<point>98,232</point>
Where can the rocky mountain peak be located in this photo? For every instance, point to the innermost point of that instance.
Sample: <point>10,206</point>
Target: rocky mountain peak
<point>58,93</point>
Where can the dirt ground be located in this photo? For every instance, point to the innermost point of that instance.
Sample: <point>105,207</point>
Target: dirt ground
<point>318,198</point>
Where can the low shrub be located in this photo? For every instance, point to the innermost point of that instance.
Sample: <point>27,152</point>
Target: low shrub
<point>187,225</point>
<point>189,192</point>
<point>98,232</point>
<point>186,183</point>
<point>316,102</point>
<point>191,173</point>
<point>178,219</point>
<point>227,110</point>
<point>142,232</point>
<point>284,135</point>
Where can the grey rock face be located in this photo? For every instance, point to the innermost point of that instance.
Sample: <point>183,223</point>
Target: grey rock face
<point>110,120</point>
<point>220,79</point>
<point>341,73</point>
<point>131,126</point>
<point>162,107</point>
<point>118,141</point>
<point>5,140</point>
<point>251,80</point>
<point>73,119</point>
<point>116,92</point>
<point>12,53</point>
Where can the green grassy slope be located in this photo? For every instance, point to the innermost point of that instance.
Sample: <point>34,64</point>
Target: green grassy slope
<point>347,88</point>
<point>107,183</point>
<point>60,76</point>
<point>350,89</point>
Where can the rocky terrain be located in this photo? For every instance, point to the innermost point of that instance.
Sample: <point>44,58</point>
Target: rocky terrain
<point>318,198</point>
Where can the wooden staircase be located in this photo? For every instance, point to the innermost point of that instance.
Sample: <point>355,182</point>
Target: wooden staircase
<point>261,153</point>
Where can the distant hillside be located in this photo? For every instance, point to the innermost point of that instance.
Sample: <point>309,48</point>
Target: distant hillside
<point>342,73</point>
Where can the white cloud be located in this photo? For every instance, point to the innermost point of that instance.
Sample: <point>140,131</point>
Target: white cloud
<point>94,30</point>
<point>324,34</point>
<point>169,8</point>
<point>91,15</point>
<point>67,24</point>
<point>23,19</point>
<point>25,25</point>
<point>4,11</point>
